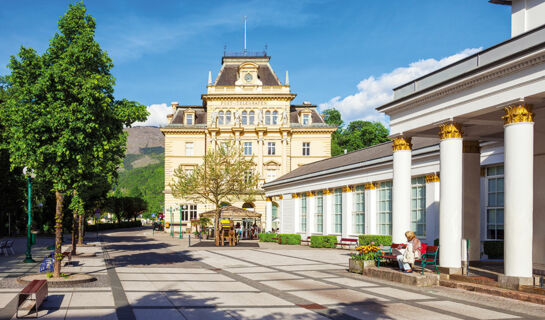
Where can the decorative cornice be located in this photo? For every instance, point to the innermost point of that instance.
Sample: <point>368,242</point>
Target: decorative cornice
<point>402,143</point>
<point>518,113</point>
<point>182,131</point>
<point>471,146</point>
<point>432,178</point>
<point>450,131</point>
<point>370,186</point>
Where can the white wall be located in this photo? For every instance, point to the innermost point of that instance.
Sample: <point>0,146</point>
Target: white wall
<point>526,15</point>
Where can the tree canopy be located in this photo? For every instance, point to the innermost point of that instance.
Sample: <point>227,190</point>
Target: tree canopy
<point>357,135</point>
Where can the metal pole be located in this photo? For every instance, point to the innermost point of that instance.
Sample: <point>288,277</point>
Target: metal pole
<point>28,258</point>
<point>180,222</point>
<point>171,223</point>
<point>190,239</point>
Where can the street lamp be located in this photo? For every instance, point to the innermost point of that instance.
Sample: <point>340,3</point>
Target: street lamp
<point>30,175</point>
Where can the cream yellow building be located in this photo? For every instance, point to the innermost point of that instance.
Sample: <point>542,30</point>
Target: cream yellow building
<point>247,104</point>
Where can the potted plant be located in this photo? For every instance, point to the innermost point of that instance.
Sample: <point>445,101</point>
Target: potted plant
<point>364,257</point>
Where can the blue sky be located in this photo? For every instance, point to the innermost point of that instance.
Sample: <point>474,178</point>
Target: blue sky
<point>343,54</point>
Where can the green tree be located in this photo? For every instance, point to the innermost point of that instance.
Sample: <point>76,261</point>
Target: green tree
<point>61,117</point>
<point>226,174</point>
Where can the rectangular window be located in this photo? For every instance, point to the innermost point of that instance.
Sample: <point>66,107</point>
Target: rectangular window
<point>494,203</point>
<point>189,119</point>
<point>384,208</point>
<point>189,148</point>
<point>271,175</point>
<point>275,117</point>
<point>193,212</point>
<point>303,212</point>
<point>271,148</point>
<point>184,212</point>
<point>247,148</point>
<point>306,148</point>
<point>338,213</point>
<point>418,206</point>
<point>306,119</point>
<point>319,211</point>
<point>358,215</point>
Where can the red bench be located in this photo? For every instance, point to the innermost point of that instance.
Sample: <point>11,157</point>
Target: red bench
<point>306,241</point>
<point>388,255</point>
<point>32,296</point>
<point>347,242</point>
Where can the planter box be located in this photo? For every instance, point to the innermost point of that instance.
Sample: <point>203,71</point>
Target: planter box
<point>357,266</point>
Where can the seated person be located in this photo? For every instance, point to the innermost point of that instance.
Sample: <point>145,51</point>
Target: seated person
<point>412,253</point>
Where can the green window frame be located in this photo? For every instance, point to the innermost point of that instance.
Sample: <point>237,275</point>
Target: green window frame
<point>384,208</point>
<point>358,214</point>
<point>303,215</point>
<point>319,211</point>
<point>418,206</point>
<point>338,213</point>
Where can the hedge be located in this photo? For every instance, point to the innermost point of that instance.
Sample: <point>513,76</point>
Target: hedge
<point>493,249</point>
<point>123,224</point>
<point>319,241</point>
<point>267,237</point>
<point>289,238</point>
<point>365,239</point>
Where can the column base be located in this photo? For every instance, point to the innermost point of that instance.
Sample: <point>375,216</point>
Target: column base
<point>449,270</point>
<point>514,283</point>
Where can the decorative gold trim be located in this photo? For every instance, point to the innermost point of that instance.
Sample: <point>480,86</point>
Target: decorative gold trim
<point>326,191</point>
<point>295,195</point>
<point>269,199</point>
<point>450,130</point>
<point>402,143</point>
<point>310,194</point>
<point>370,186</point>
<point>432,178</point>
<point>518,113</point>
<point>471,146</point>
<point>281,197</point>
<point>347,189</point>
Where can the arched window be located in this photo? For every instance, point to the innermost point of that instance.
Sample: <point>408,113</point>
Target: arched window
<point>248,206</point>
<point>252,117</point>
<point>275,117</point>
<point>221,118</point>
<point>244,118</point>
<point>268,117</point>
<point>228,117</point>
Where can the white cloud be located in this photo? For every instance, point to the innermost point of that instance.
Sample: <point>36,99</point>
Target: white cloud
<point>157,117</point>
<point>374,92</point>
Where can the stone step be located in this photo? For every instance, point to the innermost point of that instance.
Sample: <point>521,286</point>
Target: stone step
<point>492,290</point>
<point>475,279</point>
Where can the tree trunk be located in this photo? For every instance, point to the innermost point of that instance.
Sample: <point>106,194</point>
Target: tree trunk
<point>58,234</point>
<point>74,232</point>
<point>80,229</point>
<point>217,228</point>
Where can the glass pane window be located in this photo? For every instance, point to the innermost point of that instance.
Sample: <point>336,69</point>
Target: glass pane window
<point>221,118</point>
<point>303,213</point>
<point>247,148</point>
<point>319,211</point>
<point>384,208</point>
<point>418,206</point>
<point>275,220</point>
<point>271,148</point>
<point>271,175</point>
<point>275,117</point>
<point>228,117</point>
<point>244,117</point>
<point>251,118</point>
<point>189,148</point>
<point>268,117</point>
<point>306,119</point>
<point>338,213</point>
<point>306,148</point>
<point>189,119</point>
<point>193,212</point>
<point>358,215</point>
<point>494,202</point>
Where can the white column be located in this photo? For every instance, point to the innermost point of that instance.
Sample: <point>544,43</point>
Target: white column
<point>401,189</point>
<point>370,209</point>
<point>311,213</point>
<point>281,214</point>
<point>519,191</point>
<point>268,215</point>
<point>450,207</point>
<point>347,212</point>
<point>296,213</point>
<point>328,212</point>
<point>472,198</point>
<point>432,208</point>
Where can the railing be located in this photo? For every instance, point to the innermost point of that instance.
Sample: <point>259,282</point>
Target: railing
<point>245,54</point>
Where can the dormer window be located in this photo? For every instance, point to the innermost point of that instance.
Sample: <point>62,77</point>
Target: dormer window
<point>189,115</point>
<point>306,119</point>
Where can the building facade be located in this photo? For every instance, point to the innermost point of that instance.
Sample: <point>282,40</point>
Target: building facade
<point>248,105</point>
<point>467,161</point>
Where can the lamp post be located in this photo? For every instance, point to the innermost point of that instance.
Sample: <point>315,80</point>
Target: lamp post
<point>180,237</point>
<point>30,175</point>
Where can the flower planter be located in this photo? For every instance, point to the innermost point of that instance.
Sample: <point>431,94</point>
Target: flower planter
<point>357,266</point>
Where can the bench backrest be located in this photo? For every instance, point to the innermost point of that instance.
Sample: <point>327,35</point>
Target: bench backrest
<point>348,240</point>
<point>398,246</point>
<point>432,250</point>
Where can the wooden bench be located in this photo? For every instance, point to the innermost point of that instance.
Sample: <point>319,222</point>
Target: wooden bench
<point>32,296</point>
<point>388,255</point>
<point>347,242</point>
<point>430,257</point>
<point>306,241</point>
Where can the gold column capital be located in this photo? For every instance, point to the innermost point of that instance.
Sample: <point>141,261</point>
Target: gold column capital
<point>370,186</point>
<point>281,197</point>
<point>450,130</point>
<point>432,178</point>
<point>268,199</point>
<point>402,143</point>
<point>310,194</point>
<point>326,191</point>
<point>295,195</point>
<point>471,146</point>
<point>347,189</point>
<point>518,113</point>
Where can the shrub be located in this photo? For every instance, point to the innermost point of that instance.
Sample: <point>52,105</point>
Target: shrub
<point>267,237</point>
<point>319,241</point>
<point>493,249</point>
<point>289,238</point>
<point>109,226</point>
<point>366,239</point>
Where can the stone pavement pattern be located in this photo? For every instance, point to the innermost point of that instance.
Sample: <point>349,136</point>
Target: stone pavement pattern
<point>158,277</point>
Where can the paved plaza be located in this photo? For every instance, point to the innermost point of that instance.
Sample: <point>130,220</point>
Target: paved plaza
<point>141,275</point>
